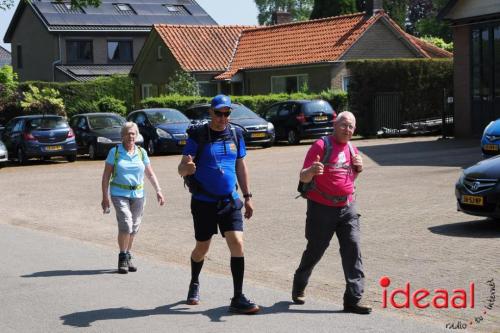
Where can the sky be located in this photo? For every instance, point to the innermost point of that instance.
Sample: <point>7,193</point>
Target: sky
<point>243,12</point>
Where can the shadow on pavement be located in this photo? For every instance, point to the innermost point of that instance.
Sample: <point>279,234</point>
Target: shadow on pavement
<point>86,318</point>
<point>69,272</point>
<point>488,228</point>
<point>446,153</point>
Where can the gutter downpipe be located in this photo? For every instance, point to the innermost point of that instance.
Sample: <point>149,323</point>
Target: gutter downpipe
<point>58,61</point>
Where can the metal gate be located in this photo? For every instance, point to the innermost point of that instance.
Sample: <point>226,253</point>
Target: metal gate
<point>386,112</point>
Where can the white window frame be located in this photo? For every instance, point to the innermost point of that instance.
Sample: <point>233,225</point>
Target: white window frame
<point>273,90</point>
<point>147,90</point>
<point>124,7</point>
<point>346,80</point>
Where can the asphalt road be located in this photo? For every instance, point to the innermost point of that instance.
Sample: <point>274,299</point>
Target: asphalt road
<point>411,231</point>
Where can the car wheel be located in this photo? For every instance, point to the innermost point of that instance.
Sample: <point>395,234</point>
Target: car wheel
<point>21,157</point>
<point>151,148</point>
<point>293,137</point>
<point>92,152</point>
<point>71,158</point>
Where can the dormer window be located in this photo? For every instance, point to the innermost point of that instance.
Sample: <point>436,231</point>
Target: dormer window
<point>124,9</point>
<point>172,9</point>
<point>67,8</point>
<point>176,9</point>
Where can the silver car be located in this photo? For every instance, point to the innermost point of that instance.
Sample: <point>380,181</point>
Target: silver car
<point>4,156</point>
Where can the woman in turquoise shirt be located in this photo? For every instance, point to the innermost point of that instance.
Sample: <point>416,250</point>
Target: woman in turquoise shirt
<point>123,178</point>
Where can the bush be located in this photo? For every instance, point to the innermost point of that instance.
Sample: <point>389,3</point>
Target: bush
<point>45,101</point>
<point>418,82</point>
<point>111,104</point>
<point>338,100</point>
<point>183,83</point>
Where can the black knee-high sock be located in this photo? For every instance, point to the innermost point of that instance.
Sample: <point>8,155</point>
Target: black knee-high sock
<point>195,270</point>
<point>238,271</point>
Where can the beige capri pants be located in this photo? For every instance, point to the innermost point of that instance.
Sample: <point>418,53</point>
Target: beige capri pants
<point>129,213</point>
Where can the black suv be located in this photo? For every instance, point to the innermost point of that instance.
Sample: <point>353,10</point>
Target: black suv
<point>256,130</point>
<point>294,120</point>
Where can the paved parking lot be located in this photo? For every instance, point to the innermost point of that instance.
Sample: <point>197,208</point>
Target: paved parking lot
<point>411,231</point>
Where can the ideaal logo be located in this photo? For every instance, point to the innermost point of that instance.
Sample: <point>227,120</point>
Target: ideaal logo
<point>440,299</point>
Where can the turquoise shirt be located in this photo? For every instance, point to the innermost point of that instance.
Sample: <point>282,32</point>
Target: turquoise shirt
<point>129,171</point>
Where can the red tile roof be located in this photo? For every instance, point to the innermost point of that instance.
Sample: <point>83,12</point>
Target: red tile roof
<point>313,41</point>
<point>201,48</point>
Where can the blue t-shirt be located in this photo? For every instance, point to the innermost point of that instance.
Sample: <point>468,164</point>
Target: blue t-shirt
<point>216,165</point>
<point>129,171</point>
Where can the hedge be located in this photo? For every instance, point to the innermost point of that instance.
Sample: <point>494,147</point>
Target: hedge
<point>418,82</point>
<point>338,100</point>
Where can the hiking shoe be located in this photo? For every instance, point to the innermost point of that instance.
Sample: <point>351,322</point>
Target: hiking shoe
<point>298,296</point>
<point>131,266</point>
<point>122,263</point>
<point>358,308</point>
<point>241,304</point>
<point>193,297</point>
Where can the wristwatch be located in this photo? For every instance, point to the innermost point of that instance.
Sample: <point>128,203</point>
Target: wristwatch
<point>247,195</point>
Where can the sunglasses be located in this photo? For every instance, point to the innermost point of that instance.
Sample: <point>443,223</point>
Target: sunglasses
<point>220,114</point>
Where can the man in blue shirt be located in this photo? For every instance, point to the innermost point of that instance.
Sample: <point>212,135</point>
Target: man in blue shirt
<point>212,163</point>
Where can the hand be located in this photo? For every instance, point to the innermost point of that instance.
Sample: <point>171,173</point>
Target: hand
<point>190,166</point>
<point>248,208</point>
<point>160,198</point>
<point>105,204</point>
<point>357,161</point>
<point>317,167</point>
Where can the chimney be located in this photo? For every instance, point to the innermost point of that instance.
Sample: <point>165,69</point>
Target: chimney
<point>373,7</point>
<point>279,17</point>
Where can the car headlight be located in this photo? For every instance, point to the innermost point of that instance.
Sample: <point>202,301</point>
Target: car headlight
<point>163,134</point>
<point>139,138</point>
<point>101,139</point>
<point>270,126</point>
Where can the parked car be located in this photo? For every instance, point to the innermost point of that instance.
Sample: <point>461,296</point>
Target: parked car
<point>256,130</point>
<point>163,130</point>
<point>4,155</point>
<point>42,136</point>
<point>97,133</point>
<point>490,142</point>
<point>478,189</point>
<point>295,120</point>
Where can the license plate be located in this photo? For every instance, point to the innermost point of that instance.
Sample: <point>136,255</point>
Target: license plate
<point>321,118</point>
<point>258,135</point>
<point>472,200</point>
<point>182,142</point>
<point>53,148</point>
<point>491,147</point>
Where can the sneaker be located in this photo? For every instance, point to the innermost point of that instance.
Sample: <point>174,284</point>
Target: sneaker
<point>131,266</point>
<point>298,296</point>
<point>122,263</point>
<point>358,308</point>
<point>193,297</point>
<point>241,304</point>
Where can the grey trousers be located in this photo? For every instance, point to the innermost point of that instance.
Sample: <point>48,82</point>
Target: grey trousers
<point>321,223</point>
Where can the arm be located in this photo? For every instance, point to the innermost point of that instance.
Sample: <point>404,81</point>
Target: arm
<point>242,175</point>
<point>307,174</point>
<point>186,167</point>
<point>154,181</point>
<point>106,176</point>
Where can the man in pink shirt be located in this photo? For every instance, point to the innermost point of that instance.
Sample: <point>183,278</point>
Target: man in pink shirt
<point>331,209</point>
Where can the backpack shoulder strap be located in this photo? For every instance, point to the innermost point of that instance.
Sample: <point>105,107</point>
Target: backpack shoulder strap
<point>140,152</point>
<point>199,134</point>
<point>351,149</point>
<point>327,150</point>
<point>234,137</point>
<point>115,162</point>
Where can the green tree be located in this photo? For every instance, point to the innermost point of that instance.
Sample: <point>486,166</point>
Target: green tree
<point>182,83</point>
<point>299,9</point>
<point>439,42</point>
<point>423,21</point>
<point>6,4</point>
<point>328,8</point>
<point>44,101</point>
<point>111,104</point>
<point>8,84</point>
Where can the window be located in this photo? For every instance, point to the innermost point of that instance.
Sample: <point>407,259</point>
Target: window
<point>123,9</point>
<point>176,9</point>
<point>19,56</point>
<point>207,88</point>
<point>159,54</point>
<point>140,119</point>
<point>288,84</point>
<point>147,90</point>
<point>79,51</point>
<point>120,51</point>
<point>346,80</point>
<point>67,8</point>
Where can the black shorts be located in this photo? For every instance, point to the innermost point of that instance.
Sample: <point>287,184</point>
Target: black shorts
<point>206,220</point>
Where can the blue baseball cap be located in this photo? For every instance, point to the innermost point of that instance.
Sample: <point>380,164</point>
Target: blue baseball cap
<point>221,101</point>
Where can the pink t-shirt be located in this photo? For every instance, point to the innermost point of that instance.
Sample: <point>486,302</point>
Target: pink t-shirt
<point>338,176</point>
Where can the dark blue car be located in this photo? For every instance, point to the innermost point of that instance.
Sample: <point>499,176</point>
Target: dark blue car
<point>490,142</point>
<point>163,130</point>
<point>42,136</point>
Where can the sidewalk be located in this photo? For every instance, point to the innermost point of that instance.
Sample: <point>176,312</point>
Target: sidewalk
<point>56,284</point>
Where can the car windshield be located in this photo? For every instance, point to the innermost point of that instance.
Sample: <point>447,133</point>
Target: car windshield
<point>166,117</point>
<point>317,106</point>
<point>241,112</point>
<point>46,123</point>
<point>97,122</point>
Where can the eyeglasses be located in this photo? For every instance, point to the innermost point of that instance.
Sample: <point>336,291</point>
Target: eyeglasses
<point>344,126</point>
<point>220,114</point>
